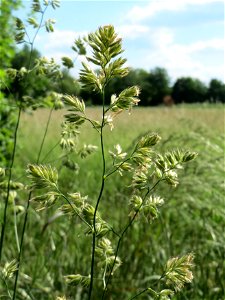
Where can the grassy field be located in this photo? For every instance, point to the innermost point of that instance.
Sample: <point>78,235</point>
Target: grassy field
<point>192,219</point>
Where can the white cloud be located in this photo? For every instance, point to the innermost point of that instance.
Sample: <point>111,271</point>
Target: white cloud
<point>138,13</point>
<point>59,39</point>
<point>132,30</point>
<point>217,44</point>
<point>179,59</point>
<point>58,44</point>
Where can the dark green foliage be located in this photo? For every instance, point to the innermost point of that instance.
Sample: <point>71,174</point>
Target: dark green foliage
<point>189,90</point>
<point>7,43</point>
<point>135,77</point>
<point>67,84</point>
<point>159,86</point>
<point>7,125</point>
<point>216,91</point>
<point>154,86</point>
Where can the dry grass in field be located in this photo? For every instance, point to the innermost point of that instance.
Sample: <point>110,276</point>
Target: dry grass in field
<point>191,220</point>
<point>160,119</point>
<point>163,120</point>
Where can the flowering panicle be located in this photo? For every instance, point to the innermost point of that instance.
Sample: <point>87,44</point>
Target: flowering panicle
<point>178,271</point>
<point>126,99</point>
<point>77,279</point>
<point>9,269</point>
<point>106,255</point>
<point>42,176</point>
<point>147,166</point>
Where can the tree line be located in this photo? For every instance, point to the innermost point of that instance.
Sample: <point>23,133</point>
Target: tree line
<point>155,85</point>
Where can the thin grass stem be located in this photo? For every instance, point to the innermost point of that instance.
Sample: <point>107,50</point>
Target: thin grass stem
<point>4,222</point>
<point>39,154</point>
<point>99,197</point>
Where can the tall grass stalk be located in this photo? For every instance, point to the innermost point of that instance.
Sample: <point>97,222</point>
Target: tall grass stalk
<point>148,169</point>
<point>100,195</point>
<point>16,132</point>
<point>4,222</point>
<point>27,209</point>
<point>20,248</point>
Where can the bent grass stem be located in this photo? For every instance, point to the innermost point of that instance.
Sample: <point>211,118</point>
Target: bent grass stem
<point>99,198</point>
<point>27,208</point>
<point>39,154</point>
<point>8,184</point>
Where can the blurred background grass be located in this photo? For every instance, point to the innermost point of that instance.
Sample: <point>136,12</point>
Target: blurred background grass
<point>192,219</point>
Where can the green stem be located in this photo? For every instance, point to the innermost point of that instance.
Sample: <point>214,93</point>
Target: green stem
<point>15,227</point>
<point>122,235</point>
<point>45,133</point>
<point>47,154</point>
<point>149,289</point>
<point>139,294</point>
<point>68,201</point>
<point>8,185</point>
<point>99,198</point>
<point>27,209</point>
<point>13,157</point>
<point>21,246</point>
<point>30,194</point>
<point>117,168</point>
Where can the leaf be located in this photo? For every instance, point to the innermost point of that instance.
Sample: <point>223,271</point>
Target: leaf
<point>33,22</point>
<point>19,24</point>
<point>77,279</point>
<point>49,25</point>
<point>36,6</point>
<point>42,176</point>
<point>89,79</point>
<point>67,62</point>
<point>87,150</point>
<point>178,271</point>
<point>148,140</point>
<point>9,269</point>
<point>19,37</point>
<point>75,119</point>
<point>75,102</point>
<point>79,47</point>
<point>55,4</point>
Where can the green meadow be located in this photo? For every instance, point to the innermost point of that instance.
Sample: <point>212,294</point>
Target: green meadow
<point>191,220</point>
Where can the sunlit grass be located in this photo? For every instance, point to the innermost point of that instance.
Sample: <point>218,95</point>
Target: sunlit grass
<point>191,219</point>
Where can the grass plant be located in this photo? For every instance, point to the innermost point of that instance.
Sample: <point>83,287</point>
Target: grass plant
<point>107,215</point>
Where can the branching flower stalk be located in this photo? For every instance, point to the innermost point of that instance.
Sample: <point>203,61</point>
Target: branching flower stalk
<point>137,211</point>
<point>99,197</point>
<point>148,169</point>
<point>105,46</point>
<point>122,235</point>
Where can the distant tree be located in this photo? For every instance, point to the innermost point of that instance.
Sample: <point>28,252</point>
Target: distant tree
<point>135,77</point>
<point>189,90</point>
<point>68,84</point>
<point>216,91</point>
<point>154,86</point>
<point>159,86</point>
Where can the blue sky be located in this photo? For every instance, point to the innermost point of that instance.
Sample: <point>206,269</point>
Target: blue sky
<point>184,36</point>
